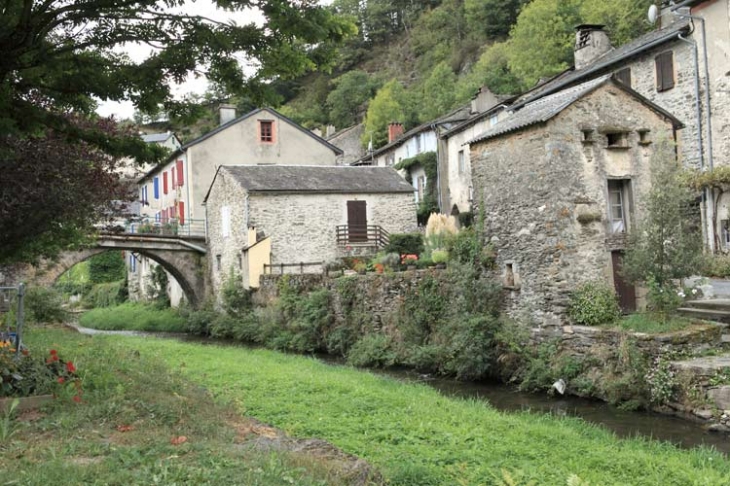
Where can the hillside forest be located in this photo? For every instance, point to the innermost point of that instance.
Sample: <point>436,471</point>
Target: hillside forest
<point>414,60</point>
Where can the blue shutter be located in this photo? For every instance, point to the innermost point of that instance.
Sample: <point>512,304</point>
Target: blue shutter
<point>156,187</point>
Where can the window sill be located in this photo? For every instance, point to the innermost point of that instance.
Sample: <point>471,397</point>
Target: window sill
<point>617,147</point>
<point>511,287</point>
<point>646,143</point>
<point>587,142</point>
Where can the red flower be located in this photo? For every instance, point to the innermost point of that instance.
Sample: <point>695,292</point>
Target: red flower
<point>54,357</point>
<point>70,367</point>
<point>54,352</point>
<point>76,398</point>
<point>25,352</point>
<point>61,380</point>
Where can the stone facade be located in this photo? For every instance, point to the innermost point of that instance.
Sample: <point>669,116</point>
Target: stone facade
<point>349,141</point>
<point>543,191</point>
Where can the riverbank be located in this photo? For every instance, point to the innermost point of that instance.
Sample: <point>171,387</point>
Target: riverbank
<point>415,435</point>
<point>139,423</point>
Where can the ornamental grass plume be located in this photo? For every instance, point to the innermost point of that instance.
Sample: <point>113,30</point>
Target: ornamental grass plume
<point>438,229</point>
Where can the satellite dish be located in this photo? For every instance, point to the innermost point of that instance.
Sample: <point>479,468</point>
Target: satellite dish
<point>653,14</point>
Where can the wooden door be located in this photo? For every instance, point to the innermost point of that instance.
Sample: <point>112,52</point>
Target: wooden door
<point>626,292</point>
<point>357,221</point>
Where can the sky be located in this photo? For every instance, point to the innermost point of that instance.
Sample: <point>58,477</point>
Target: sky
<point>195,85</point>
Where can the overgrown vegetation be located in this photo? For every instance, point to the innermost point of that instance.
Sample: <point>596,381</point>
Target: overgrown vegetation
<point>43,305</point>
<point>134,317</point>
<point>429,162</point>
<point>593,304</point>
<point>107,267</point>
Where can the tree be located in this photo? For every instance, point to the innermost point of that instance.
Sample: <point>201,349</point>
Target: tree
<point>60,55</point>
<point>390,104</point>
<point>107,267</point>
<point>491,70</point>
<point>351,92</point>
<point>53,190</point>
<point>438,92</point>
<point>666,244</point>
<point>491,19</point>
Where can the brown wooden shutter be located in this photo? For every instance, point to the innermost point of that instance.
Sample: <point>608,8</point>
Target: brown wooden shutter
<point>624,76</point>
<point>664,71</point>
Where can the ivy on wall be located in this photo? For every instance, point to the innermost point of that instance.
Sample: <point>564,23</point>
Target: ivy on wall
<point>429,162</point>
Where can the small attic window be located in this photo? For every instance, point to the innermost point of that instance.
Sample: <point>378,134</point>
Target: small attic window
<point>644,137</point>
<point>587,135</point>
<point>617,140</point>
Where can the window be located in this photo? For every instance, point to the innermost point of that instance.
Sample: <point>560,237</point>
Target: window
<point>218,262</point>
<point>462,162</point>
<point>181,211</point>
<point>587,135</point>
<point>493,120</point>
<point>390,160</point>
<point>618,205</point>
<point>725,233</point>
<point>144,195</point>
<point>172,176</point>
<point>164,183</point>
<point>266,131</point>
<point>180,176</point>
<point>418,143</point>
<point>509,275</point>
<point>623,76</point>
<point>644,137</point>
<point>420,187</point>
<point>225,221</point>
<point>617,140</point>
<point>664,71</point>
<point>240,261</point>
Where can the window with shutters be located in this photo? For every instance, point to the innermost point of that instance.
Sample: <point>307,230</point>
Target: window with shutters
<point>164,183</point>
<point>181,211</point>
<point>266,131</point>
<point>180,176</point>
<point>618,205</point>
<point>172,175</point>
<point>624,76</point>
<point>664,71</point>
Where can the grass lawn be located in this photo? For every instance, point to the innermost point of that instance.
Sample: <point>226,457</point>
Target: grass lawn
<point>133,316</point>
<point>415,436</point>
<point>649,323</point>
<point>140,424</point>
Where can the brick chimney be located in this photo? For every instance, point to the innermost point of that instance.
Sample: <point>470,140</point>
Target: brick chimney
<point>591,42</point>
<point>395,131</point>
<point>226,113</point>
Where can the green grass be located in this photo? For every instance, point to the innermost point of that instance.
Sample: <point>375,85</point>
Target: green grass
<point>71,444</point>
<point>134,317</point>
<point>416,436</point>
<point>653,323</point>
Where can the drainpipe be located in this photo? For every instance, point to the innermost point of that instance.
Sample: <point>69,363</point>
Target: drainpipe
<point>708,194</point>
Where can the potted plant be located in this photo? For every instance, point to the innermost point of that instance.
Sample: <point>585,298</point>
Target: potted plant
<point>409,261</point>
<point>360,267</point>
<point>440,257</point>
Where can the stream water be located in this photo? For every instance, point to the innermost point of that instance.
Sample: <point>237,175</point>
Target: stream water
<point>623,423</point>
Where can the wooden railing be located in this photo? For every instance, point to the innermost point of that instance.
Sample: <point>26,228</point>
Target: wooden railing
<point>372,235</point>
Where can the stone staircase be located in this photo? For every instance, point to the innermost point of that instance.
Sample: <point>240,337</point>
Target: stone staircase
<point>716,310</point>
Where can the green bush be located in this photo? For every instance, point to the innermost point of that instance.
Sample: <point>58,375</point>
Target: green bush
<point>44,305</point>
<point>472,347</point>
<point>716,266</point>
<point>236,299</point>
<point>593,304</point>
<point>107,294</point>
<point>405,244</point>
<point>107,267</point>
<point>373,350</point>
<point>223,326</point>
<point>439,256</point>
<point>199,322</point>
<point>134,317</point>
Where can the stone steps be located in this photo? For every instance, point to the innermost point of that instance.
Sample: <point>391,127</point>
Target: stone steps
<point>709,314</point>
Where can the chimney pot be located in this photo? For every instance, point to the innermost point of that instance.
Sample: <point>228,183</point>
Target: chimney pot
<point>395,131</point>
<point>591,42</point>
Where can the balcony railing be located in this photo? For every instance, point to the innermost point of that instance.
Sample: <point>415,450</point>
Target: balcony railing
<point>362,235</point>
<point>171,227</point>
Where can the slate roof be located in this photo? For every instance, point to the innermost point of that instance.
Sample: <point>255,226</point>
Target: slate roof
<point>543,109</point>
<point>156,137</point>
<point>316,179</point>
<point>607,62</point>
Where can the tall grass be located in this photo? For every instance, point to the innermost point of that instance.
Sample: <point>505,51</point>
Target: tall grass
<point>134,317</point>
<point>416,436</point>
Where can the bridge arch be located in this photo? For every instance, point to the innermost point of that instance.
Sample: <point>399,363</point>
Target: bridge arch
<point>185,262</point>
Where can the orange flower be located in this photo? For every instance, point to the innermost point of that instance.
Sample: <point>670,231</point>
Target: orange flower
<point>178,440</point>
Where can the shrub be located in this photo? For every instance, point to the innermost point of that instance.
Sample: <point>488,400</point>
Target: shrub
<point>594,303</point>
<point>466,247</point>
<point>223,326</point>
<point>471,347</point>
<point>466,219</point>
<point>440,256</point>
<point>373,350</point>
<point>236,299</point>
<point>107,267</point>
<point>25,374</point>
<point>134,317</point>
<point>405,244</point>
<point>199,322</point>
<point>44,305</point>
<point>716,266</point>
<point>107,294</point>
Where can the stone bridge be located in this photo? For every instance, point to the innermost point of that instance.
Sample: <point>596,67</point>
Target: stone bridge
<point>182,257</point>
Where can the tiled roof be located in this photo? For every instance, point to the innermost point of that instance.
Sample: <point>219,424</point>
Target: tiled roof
<point>318,179</point>
<point>542,109</point>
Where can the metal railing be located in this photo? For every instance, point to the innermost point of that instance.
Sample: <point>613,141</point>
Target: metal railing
<point>8,335</point>
<point>281,267</point>
<point>371,235</point>
<point>169,227</point>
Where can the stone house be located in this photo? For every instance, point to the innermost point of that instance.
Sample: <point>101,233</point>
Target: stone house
<point>172,193</point>
<point>349,141</point>
<point>560,181</point>
<point>295,218</point>
<point>661,66</point>
<point>486,110</point>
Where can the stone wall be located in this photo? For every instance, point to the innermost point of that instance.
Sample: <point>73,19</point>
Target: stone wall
<point>349,141</point>
<point>533,185</point>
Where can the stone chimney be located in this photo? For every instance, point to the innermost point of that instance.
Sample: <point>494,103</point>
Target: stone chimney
<point>483,101</point>
<point>226,113</point>
<point>591,42</point>
<point>329,131</point>
<point>395,130</point>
